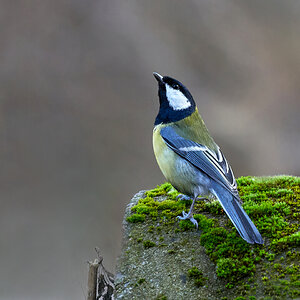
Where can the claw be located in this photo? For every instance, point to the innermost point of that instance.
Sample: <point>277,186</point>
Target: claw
<point>185,216</point>
<point>194,222</point>
<point>188,216</point>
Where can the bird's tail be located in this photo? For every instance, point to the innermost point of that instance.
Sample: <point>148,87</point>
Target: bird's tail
<point>238,216</point>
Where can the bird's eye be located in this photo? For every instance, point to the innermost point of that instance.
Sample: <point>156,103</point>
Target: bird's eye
<point>175,86</point>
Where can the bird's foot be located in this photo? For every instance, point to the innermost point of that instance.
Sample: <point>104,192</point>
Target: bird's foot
<point>188,216</point>
<point>183,197</point>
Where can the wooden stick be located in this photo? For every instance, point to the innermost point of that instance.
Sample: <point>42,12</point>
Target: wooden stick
<point>92,279</point>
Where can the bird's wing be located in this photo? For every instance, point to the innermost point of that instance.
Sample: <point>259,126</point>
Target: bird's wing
<point>211,163</point>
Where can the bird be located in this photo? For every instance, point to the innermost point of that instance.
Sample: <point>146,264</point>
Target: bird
<point>190,159</point>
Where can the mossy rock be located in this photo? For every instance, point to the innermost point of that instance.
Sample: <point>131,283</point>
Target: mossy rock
<point>164,258</point>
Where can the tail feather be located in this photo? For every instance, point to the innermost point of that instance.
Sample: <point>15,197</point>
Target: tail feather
<point>238,216</point>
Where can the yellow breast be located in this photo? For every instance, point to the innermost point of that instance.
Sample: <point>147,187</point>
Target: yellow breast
<point>180,173</point>
<point>164,155</point>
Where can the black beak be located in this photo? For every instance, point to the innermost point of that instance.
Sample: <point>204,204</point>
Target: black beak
<point>158,77</point>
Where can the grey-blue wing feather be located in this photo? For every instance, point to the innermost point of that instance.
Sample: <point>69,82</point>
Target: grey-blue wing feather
<point>215,167</point>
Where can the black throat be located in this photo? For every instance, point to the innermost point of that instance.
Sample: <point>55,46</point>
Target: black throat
<point>166,113</point>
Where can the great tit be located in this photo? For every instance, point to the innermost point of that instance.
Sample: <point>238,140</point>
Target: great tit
<point>190,159</point>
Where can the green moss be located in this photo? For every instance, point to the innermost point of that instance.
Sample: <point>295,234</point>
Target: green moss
<point>229,285</point>
<point>292,269</point>
<point>170,205</point>
<point>186,225</point>
<point>143,209</point>
<point>271,226</point>
<point>161,297</point>
<point>197,276</point>
<point>226,267</point>
<point>141,280</point>
<point>214,207</point>
<point>148,244</point>
<point>273,204</point>
<point>151,229</point>
<point>278,267</point>
<point>160,190</point>
<point>285,242</point>
<point>296,215</point>
<point>136,218</point>
<point>270,256</point>
<point>266,208</point>
<point>234,268</point>
<point>203,222</point>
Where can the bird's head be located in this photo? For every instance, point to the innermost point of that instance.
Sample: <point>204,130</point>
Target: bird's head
<point>176,102</point>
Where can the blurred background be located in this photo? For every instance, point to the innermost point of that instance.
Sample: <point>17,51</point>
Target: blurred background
<point>77,106</point>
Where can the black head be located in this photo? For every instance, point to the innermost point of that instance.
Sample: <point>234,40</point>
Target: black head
<point>176,102</point>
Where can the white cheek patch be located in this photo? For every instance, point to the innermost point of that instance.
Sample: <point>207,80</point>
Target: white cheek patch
<point>176,99</point>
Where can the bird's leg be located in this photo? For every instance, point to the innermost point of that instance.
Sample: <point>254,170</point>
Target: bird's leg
<point>189,215</point>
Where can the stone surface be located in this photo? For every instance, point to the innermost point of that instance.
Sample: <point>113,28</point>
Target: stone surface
<point>164,266</point>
